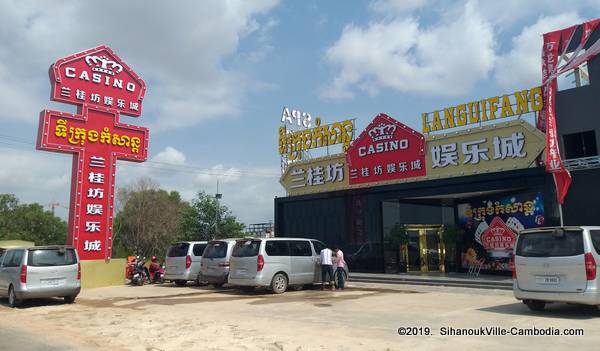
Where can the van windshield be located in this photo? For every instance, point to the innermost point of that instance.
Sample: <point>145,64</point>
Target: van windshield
<point>246,248</point>
<point>178,250</point>
<point>546,244</point>
<point>216,250</point>
<point>51,257</point>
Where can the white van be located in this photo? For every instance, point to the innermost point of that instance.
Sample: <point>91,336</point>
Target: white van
<point>183,261</point>
<point>214,266</point>
<point>39,272</point>
<point>276,263</point>
<point>557,264</point>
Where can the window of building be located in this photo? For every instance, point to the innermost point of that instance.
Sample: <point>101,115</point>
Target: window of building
<point>578,145</point>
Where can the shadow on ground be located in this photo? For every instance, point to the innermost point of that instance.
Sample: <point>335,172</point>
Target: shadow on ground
<point>554,310</point>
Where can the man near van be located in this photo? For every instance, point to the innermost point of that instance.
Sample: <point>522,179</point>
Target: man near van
<point>326,267</point>
<point>339,263</point>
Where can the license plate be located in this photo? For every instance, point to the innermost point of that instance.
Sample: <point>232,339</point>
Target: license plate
<point>52,282</point>
<point>547,280</point>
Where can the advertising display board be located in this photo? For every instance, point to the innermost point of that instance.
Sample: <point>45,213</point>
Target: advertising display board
<point>103,87</point>
<point>386,150</point>
<point>491,225</point>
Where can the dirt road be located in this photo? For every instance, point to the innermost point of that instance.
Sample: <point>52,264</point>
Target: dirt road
<point>364,317</point>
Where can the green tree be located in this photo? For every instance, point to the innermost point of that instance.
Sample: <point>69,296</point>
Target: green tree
<point>30,222</point>
<point>207,219</point>
<point>147,220</point>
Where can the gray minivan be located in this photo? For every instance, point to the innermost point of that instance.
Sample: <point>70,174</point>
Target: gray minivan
<point>39,272</point>
<point>183,261</point>
<point>557,264</point>
<point>214,265</point>
<point>276,263</point>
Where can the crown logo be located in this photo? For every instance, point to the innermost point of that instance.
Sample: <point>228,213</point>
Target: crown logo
<point>497,231</point>
<point>103,64</point>
<point>382,132</point>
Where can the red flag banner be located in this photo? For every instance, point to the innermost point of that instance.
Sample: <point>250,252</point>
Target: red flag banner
<point>553,42</point>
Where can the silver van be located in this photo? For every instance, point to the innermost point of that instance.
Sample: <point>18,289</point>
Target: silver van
<point>214,265</point>
<point>276,263</point>
<point>557,264</point>
<point>39,272</point>
<point>183,261</point>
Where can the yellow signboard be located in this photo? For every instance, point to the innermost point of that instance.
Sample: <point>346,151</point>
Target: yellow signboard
<point>294,142</point>
<point>327,173</point>
<point>492,148</point>
<point>489,109</point>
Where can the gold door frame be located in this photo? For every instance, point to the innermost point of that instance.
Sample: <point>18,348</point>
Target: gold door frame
<point>422,228</point>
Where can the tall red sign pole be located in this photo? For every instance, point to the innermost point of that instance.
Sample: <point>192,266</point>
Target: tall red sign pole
<point>103,87</point>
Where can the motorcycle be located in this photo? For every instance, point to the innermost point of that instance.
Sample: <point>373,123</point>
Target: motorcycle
<point>157,274</point>
<point>140,274</point>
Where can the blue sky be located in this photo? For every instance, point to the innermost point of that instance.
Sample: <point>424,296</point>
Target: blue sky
<point>220,72</point>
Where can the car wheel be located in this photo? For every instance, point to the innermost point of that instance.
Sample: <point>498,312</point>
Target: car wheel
<point>180,282</point>
<point>218,285</point>
<point>69,299</point>
<point>535,305</point>
<point>13,301</point>
<point>279,283</point>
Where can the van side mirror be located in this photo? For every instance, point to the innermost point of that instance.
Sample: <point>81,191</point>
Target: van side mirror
<point>558,233</point>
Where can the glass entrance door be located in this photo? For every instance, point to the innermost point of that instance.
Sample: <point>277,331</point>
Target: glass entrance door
<point>424,250</point>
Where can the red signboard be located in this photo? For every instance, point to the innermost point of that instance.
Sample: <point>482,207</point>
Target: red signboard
<point>498,237</point>
<point>97,139</point>
<point>97,77</point>
<point>386,150</point>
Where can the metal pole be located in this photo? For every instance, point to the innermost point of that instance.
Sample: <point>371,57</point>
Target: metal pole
<point>560,213</point>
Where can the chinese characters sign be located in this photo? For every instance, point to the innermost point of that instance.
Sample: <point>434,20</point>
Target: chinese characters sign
<point>322,174</point>
<point>386,150</point>
<point>97,77</point>
<point>96,139</point>
<point>511,145</point>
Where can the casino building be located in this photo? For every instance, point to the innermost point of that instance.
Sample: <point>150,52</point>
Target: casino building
<point>402,200</point>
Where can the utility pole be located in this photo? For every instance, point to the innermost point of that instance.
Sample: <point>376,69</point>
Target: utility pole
<point>218,196</point>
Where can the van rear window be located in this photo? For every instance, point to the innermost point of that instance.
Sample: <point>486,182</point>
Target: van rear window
<point>595,235</point>
<point>51,257</point>
<point>178,250</point>
<point>246,248</point>
<point>216,249</point>
<point>546,244</point>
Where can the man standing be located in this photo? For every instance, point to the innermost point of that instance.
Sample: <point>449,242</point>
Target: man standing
<point>326,268</point>
<point>339,262</point>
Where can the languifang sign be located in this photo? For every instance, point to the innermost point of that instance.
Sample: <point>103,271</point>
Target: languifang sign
<point>103,87</point>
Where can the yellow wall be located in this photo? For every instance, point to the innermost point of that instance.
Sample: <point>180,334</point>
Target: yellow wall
<point>99,273</point>
<point>15,243</point>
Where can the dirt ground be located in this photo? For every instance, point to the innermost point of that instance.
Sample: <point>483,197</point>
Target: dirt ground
<point>363,317</point>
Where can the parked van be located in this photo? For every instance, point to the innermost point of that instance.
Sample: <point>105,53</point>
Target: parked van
<point>39,272</point>
<point>276,263</point>
<point>557,264</point>
<point>214,265</point>
<point>183,261</point>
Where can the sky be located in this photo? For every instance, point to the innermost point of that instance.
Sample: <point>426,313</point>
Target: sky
<point>219,73</point>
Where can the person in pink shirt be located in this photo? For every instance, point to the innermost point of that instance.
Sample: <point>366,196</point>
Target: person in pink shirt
<point>339,263</point>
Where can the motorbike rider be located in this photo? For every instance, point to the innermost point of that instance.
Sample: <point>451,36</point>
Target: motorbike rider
<point>154,268</point>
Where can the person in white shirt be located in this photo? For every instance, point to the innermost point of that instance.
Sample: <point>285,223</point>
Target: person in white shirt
<point>339,263</point>
<point>326,268</point>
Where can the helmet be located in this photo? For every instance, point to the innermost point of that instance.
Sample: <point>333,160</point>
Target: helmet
<point>153,258</point>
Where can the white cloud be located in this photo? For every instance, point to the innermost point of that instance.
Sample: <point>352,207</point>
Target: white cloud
<point>396,6</point>
<point>520,68</point>
<point>179,50</point>
<point>446,58</point>
<point>170,155</point>
<point>218,172</point>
